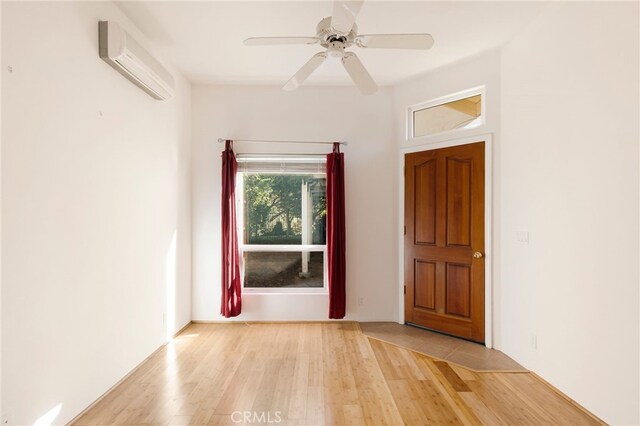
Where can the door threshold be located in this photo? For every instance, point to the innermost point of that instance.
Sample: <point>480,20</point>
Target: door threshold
<point>410,324</point>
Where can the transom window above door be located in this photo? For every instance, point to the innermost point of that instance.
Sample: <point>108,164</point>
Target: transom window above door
<point>460,112</point>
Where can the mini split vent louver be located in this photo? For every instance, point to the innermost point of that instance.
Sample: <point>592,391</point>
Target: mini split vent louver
<point>123,53</point>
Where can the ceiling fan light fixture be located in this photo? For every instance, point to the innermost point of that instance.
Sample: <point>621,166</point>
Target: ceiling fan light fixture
<point>335,50</point>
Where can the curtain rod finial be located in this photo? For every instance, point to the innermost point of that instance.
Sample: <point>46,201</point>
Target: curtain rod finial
<point>220,140</point>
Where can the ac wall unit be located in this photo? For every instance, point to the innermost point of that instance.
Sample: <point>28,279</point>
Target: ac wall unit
<point>123,53</point>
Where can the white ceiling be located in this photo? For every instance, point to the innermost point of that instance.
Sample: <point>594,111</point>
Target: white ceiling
<point>204,39</point>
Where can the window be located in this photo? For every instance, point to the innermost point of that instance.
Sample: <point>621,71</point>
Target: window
<point>282,221</point>
<point>438,117</point>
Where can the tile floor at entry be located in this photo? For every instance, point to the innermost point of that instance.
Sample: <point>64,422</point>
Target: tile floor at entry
<point>451,349</point>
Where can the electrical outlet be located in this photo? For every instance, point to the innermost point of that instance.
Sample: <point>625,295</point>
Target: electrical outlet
<point>534,341</point>
<point>360,301</point>
<point>522,237</point>
<point>7,418</point>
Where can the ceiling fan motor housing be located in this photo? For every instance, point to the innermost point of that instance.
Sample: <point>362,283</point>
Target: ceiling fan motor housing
<point>329,36</point>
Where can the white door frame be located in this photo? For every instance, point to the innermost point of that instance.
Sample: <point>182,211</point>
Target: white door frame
<point>487,138</point>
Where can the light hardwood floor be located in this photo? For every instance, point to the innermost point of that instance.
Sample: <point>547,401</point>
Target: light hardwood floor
<point>317,374</point>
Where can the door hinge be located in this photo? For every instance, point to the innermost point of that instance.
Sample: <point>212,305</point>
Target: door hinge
<point>405,230</point>
<point>405,289</point>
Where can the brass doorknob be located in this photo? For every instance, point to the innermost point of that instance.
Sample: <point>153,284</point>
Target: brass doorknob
<point>477,255</point>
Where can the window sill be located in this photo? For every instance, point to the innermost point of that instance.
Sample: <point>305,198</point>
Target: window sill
<point>285,291</point>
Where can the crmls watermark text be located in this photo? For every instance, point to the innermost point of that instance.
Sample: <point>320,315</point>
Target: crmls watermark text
<point>256,417</point>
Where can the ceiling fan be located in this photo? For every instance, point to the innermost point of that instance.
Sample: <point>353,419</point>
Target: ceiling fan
<point>337,33</point>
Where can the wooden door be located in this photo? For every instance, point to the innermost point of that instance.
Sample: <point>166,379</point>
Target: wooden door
<point>444,240</point>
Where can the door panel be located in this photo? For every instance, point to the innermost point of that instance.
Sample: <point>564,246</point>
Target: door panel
<point>458,290</point>
<point>425,196</point>
<point>444,218</point>
<point>458,202</point>
<point>425,284</point>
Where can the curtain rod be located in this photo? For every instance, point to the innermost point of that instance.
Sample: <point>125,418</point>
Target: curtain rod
<point>220,140</point>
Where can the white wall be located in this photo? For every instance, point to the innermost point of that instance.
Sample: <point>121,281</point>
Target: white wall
<point>95,186</point>
<point>317,113</point>
<point>570,137</point>
<point>1,66</point>
<point>563,107</point>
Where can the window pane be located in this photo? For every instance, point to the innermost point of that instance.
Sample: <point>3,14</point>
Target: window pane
<point>284,209</point>
<point>283,269</point>
<point>461,114</point>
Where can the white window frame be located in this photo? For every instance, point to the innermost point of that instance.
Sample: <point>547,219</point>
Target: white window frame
<point>242,248</point>
<point>453,133</point>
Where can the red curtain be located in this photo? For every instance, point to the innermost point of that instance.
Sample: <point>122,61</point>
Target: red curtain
<point>336,237</point>
<point>231,304</point>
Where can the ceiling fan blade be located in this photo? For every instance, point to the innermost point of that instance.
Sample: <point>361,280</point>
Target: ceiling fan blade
<point>306,70</point>
<point>395,41</point>
<point>274,41</point>
<point>344,14</point>
<point>359,73</point>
